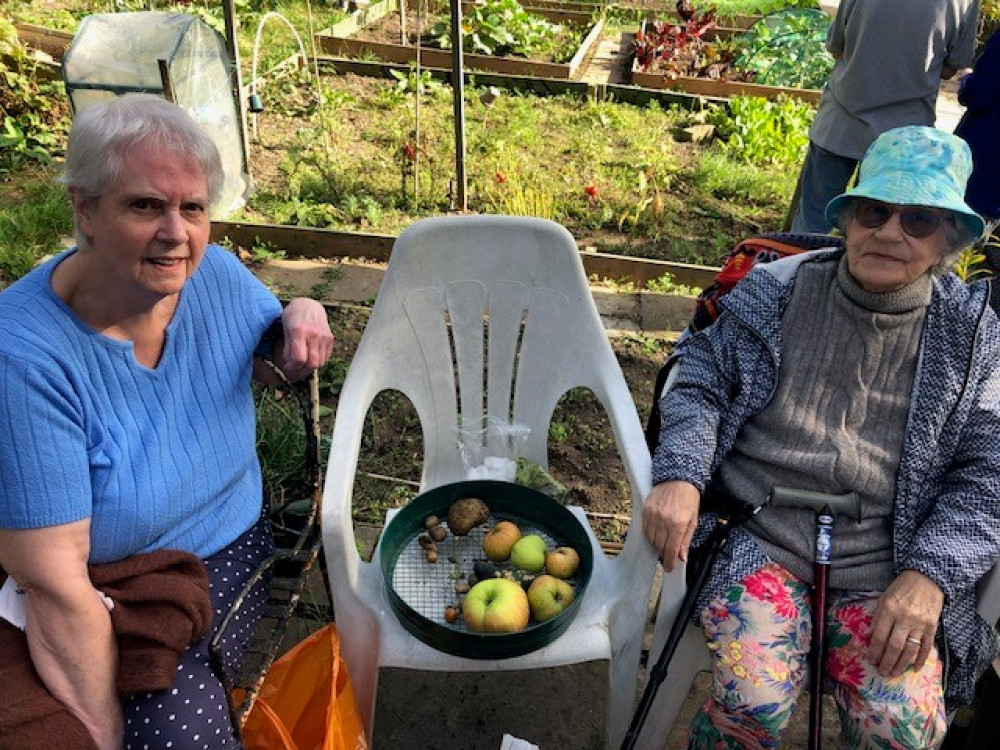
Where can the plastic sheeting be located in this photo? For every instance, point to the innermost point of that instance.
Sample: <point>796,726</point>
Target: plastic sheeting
<point>116,53</point>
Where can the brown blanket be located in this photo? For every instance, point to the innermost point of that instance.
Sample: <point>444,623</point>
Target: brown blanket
<point>161,607</point>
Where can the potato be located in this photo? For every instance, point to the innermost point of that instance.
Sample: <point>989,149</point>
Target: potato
<point>465,514</point>
<point>438,533</point>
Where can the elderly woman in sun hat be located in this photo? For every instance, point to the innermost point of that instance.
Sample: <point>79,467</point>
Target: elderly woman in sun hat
<point>872,369</point>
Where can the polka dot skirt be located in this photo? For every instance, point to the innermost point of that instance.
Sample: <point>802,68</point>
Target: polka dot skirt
<point>194,714</point>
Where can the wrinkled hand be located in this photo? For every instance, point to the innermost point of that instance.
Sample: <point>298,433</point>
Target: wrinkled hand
<point>669,518</point>
<point>307,340</point>
<point>906,619</point>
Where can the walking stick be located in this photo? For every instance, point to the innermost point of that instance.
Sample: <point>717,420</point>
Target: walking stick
<point>825,507</point>
<point>724,524</point>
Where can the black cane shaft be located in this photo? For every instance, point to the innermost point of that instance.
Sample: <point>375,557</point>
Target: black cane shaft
<point>817,665</point>
<point>658,674</point>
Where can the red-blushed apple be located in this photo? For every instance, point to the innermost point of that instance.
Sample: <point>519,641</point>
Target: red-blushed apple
<point>548,596</point>
<point>562,562</point>
<point>528,553</point>
<point>496,605</point>
<point>500,540</point>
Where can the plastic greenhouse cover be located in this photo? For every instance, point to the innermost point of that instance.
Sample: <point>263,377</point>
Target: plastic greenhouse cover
<point>115,53</point>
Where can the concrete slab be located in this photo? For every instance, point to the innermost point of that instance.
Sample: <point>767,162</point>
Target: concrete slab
<point>558,707</point>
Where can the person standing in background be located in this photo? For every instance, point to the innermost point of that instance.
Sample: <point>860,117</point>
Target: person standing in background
<point>891,57</point>
<point>979,93</point>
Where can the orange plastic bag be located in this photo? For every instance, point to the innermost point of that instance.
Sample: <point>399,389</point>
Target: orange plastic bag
<point>306,701</point>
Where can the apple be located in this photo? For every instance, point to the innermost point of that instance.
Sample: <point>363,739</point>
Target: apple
<point>496,605</point>
<point>528,553</point>
<point>548,596</point>
<point>499,541</point>
<point>562,562</point>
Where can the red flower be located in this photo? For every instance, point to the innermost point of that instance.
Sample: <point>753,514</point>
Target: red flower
<point>846,671</point>
<point>591,190</point>
<point>410,151</point>
<point>856,620</point>
<point>766,587</point>
<point>718,612</point>
<point>501,177</point>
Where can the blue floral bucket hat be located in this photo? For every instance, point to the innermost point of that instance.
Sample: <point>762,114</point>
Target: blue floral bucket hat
<point>916,166</point>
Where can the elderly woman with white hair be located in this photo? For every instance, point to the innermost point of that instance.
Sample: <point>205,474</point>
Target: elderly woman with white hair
<point>869,369</point>
<point>127,420</point>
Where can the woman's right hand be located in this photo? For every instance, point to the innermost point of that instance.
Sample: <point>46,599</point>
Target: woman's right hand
<point>669,518</point>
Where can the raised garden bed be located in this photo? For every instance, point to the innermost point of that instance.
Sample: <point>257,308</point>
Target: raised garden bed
<point>721,89</point>
<point>343,40</point>
<point>719,79</point>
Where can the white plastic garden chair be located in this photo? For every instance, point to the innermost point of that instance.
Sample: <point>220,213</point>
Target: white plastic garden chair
<point>506,299</point>
<point>692,655</point>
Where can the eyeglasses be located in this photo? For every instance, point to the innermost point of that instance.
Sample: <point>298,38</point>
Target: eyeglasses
<point>916,221</point>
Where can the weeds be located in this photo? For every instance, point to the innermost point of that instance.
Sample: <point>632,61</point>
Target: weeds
<point>322,289</point>
<point>34,113</point>
<point>281,446</point>
<point>665,284</point>
<point>31,228</point>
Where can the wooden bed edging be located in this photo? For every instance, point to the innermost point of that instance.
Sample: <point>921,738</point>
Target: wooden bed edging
<point>328,243</point>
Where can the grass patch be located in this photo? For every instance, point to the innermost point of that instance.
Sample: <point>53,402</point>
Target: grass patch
<point>32,221</point>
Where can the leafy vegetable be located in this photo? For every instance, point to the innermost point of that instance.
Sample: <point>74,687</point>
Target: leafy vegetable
<point>502,27</point>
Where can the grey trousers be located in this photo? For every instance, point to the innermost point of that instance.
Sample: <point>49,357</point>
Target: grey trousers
<point>824,176</point>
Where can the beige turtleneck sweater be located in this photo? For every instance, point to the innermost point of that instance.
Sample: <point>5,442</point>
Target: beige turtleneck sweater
<point>836,422</point>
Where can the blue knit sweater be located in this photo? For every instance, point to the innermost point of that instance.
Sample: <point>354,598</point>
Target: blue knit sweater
<point>946,520</point>
<point>156,458</point>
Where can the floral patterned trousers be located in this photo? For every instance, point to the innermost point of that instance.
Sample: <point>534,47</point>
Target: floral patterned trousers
<point>759,633</point>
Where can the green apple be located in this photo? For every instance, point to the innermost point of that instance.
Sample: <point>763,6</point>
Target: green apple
<point>500,540</point>
<point>496,605</point>
<point>562,562</point>
<point>548,596</point>
<point>528,553</point>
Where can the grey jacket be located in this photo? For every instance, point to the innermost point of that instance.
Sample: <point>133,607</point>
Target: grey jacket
<point>947,505</point>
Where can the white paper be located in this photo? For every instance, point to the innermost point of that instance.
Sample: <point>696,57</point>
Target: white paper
<point>513,743</point>
<point>12,604</point>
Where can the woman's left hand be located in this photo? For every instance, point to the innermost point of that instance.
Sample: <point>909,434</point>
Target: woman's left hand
<point>906,619</point>
<point>307,341</point>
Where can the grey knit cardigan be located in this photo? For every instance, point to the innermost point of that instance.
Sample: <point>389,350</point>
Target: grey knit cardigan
<point>946,522</point>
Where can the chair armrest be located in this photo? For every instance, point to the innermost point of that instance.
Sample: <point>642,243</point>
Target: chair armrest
<point>988,594</point>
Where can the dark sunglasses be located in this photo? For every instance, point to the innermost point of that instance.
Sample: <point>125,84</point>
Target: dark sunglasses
<point>916,221</point>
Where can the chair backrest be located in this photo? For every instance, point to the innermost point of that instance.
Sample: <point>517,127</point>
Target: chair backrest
<point>500,295</point>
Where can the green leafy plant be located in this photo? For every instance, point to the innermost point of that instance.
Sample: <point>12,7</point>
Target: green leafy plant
<point>666,284</point>
<point>409,82</point>
<point>757,7</point>
<point>502,27</point>
<point>34,112</point>
<point>787,49</point>
<point>764,131</point>
<point>558,432</point>
<point>262,251</point>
